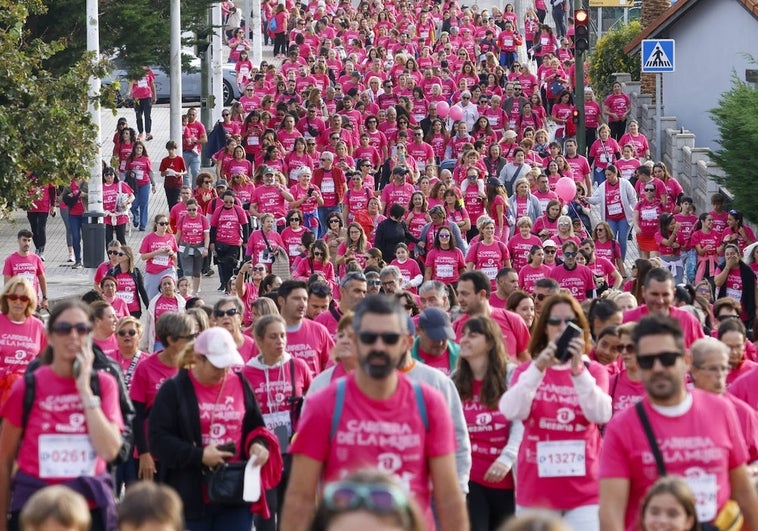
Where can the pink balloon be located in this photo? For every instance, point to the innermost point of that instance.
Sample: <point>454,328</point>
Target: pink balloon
<point>456,113</point>
<point>443,108</point>
<point>566,189</point>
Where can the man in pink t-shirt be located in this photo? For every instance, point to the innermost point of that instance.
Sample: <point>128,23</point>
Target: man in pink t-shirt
<point>658,294</point>
<point>376,418</point>
<point>698,435</point>
<point>352,290</point>
<point>306,339</point>
<point>27,265</point>
<point>474,291</point>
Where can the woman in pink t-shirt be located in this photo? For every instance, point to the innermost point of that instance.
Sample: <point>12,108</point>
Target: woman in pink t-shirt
<point>104,327</point>
<point>534,269</point>
<point>23,335</point>
<point>168,300</point>
<point>481,379</point>
<point>444,262</point>
<point>158,250</point>
<point>626,387</point>
<point>69,434</point>
<point>561,404</point>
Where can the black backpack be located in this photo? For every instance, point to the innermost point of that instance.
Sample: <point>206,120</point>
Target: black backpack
<point>100,363</point>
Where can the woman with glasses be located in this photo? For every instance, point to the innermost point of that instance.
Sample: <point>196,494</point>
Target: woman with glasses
<point>318,261</point>
<point>114,246</point>
<point>557,469</point>
<point>204,192</point>
<point>237,164</point>
<point>248,282</point>
<point>444,261</point>
<point>264,244</point>
<point>192,432</point>
<point>158,250</point>
<point>229,228</point>
<point>175,331</point>
<point>237,44</point>
<point>603,152</point>
<point>481,379</point>
<point>292,235</point>
<point>23,336</point>
<point>130,284</point>
<point>228,314</point>
<point>626,387</point>
<point>368,500</point>
<point>353,248</point>
<point>645,221</point>
<point>307,199</point>
<point>336,233</point>
<point>193,241</point>
<point>63,394</point>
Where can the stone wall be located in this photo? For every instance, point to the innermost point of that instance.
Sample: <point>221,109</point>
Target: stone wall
<point>690,165</point>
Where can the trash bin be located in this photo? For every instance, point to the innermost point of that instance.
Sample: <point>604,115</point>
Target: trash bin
<point>93,239</point>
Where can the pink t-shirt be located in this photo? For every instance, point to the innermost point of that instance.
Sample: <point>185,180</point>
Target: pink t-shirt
<point>528,276</point>
<point>312,343</point>
<point>56,443</point>
<point>385,434</point>
<point>159,262</point>
<point>148,377</point>
<point>560,446</point>
<point>108,346</point>
<point>488,431</point>
<point>515,332</point>
<point>689,323</point>
<point>746,388</point>
<point>28,267</point>
<point>703,449</point>
<point>446,264</point>
<point>20,343</point>
<point>519,248</point>
<point>408,271</point>
<point>273,390</point>
<point>222,409</point>
<point>228,223</point>
<point>624,392</point>
<point>269,200</point>
<point>578,281</point>
<point>488,258</point>
<point>193,229</point>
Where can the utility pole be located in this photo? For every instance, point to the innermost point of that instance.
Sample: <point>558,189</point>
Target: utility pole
<point>95,191</point>
<point>581,47</point>
<point>175,74</point>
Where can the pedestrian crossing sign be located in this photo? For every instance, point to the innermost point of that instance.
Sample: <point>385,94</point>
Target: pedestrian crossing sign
<point>657,55</point>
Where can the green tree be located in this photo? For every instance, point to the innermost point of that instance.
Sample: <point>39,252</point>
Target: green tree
<point>737,120</point>
<point>45,129</point>
<point>608,57</point>
<point>138,30</point>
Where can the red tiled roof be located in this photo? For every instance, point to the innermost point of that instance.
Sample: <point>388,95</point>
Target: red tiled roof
<point>671,15</point>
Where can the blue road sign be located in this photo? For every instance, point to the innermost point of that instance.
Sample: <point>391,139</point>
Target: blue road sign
<point>657,55</point>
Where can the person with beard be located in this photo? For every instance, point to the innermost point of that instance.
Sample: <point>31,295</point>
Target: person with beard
<point>697,436</point>
<point>355,423</point>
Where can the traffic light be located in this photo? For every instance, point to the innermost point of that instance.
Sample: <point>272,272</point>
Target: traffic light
<point>581,30</point>
<point>575,116</point>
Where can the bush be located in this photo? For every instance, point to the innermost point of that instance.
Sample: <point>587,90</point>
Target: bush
<point>737,120</point>
<point>609,58</point>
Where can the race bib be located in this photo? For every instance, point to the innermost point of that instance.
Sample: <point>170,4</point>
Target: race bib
<point>493,120</point>
<point>274,420</point>
<point>614,209</point>
<point>142,83</point>
<point>705,489</point>
<point>649,214</point>
<point>252,141</point>
<point>491,272</point>
<point>561,459</point>
<point>327,187</point>
<point>294,249</point>
<point>66,456</point>
<point>161,260</point>
<point>31,277</point>
<point>265,257</point>
<point>736,294</point>
<point>126,296</point>
<point>508,42</point>
<point>604,158</point>
<point>445,271</point>
<point>244,71</point>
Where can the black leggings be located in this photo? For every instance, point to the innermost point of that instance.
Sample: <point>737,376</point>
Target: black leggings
<point>618,129</point>
<point>280,43</point>
<point>38,226</point>
<point>118,230</point>
<point>488,508</point>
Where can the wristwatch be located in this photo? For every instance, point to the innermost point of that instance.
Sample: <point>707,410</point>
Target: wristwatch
<point>91,403</point>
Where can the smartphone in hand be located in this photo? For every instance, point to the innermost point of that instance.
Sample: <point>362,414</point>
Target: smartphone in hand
<point>562,352</point>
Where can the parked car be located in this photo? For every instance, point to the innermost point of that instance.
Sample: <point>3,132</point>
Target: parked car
<point>190,83</point>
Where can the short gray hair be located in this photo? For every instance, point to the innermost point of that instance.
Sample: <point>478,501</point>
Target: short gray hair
<point>382,305</point>
<point>391,270</point>
<point>704,346</point>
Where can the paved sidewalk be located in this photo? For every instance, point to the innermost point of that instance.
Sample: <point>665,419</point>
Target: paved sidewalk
<point>63,281</point>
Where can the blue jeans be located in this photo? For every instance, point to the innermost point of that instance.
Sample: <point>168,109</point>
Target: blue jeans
<point>64,217</point>
<point>323,216</point>
<point>690,265</point>
<point>598,175</point>
<point>621,230</point>
<point>223,518</point>
<point>192,161</point>
<point>75,224</point>
<point>139,207</point>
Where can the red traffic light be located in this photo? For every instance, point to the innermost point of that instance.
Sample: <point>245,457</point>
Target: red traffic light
<point>581,17</point>
<point>575,116</point>
<point>581,30</point>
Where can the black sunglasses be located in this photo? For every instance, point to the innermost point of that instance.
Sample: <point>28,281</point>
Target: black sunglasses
<point>556,321</point>
<point>62,328</point>
<point>130,333</point>
<point>229,313</point>
<point>369,338</point>
<point>667,359</point>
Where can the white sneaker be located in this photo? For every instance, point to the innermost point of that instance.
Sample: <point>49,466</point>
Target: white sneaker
<point>71,258</point>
